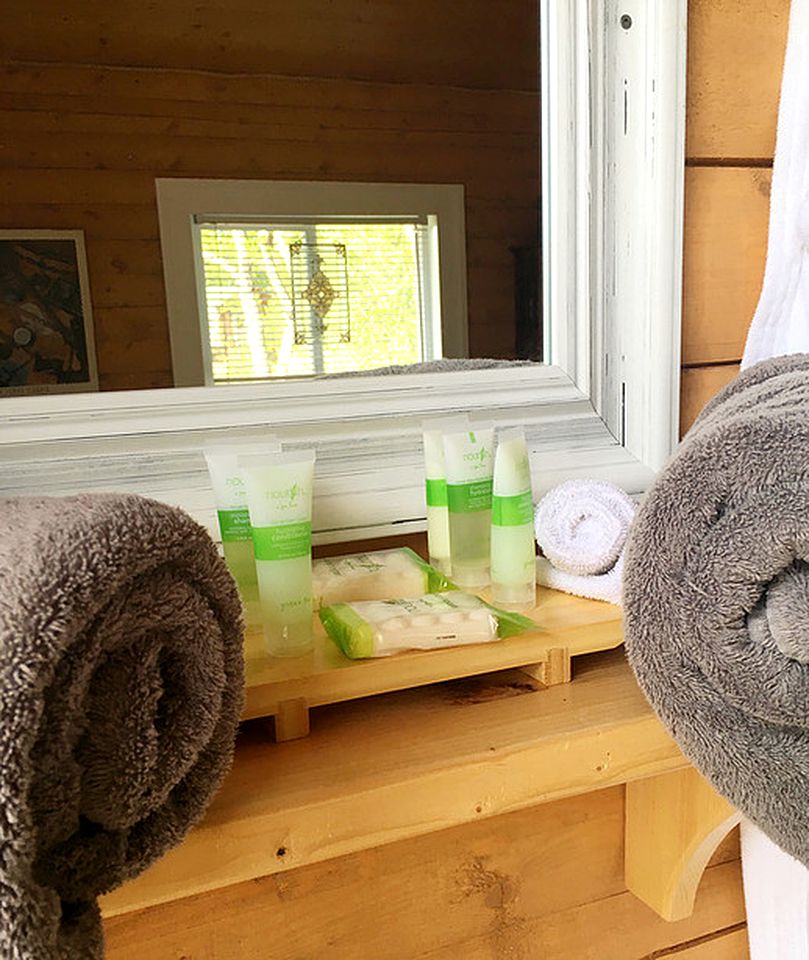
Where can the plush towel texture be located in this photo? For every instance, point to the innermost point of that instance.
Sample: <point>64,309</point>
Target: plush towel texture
<point>603,586</point>
<point>581,527</point>
<point>121,681</point>
<point>716,596</point>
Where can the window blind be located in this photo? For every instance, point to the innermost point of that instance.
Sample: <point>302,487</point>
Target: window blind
<point>310,296</point>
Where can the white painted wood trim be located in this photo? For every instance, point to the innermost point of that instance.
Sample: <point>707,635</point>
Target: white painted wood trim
<point>641,295</point>
<point>605,407</point>
<point>180,199</point>
<point>368,440</point>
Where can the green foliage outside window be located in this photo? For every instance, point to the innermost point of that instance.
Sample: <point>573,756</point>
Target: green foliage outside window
<point>249,300</point>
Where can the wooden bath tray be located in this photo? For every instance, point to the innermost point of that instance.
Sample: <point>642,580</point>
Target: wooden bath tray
<point>286,689</point>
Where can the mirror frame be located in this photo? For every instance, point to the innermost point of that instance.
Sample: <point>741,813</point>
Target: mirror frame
<point>606,402</point>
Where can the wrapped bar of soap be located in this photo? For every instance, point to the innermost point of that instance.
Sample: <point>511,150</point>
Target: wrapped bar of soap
<point>384,627</point>
<point>376,575</point>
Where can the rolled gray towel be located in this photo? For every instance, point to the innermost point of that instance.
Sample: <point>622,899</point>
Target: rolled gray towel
<point>716,597</point>
<point>121,680</point>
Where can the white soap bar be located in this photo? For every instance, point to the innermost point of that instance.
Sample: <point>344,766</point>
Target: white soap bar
<point>384,627</point>
<point>378,575</point>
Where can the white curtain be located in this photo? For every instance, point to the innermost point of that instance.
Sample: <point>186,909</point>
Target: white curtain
<point>776,887</point>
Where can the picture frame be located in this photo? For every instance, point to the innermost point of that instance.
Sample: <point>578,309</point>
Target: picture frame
<point>47,342</point>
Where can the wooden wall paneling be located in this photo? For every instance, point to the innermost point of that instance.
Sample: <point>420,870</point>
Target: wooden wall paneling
<point>735,59</point>
<point>387,40</point>
<point>726,216</point>
<point>132,339</point>
<point>84,186</point>
<point>88,158</point>
<point>112,221</point>
<point>511,886</point>
<point>267,123</point>
<point>134,257</point>
<point>725,945</point>
<point>244,99</point>
<point>698,385</point>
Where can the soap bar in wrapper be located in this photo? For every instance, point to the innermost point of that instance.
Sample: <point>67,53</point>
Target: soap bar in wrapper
<point>384,627</point>
<point>377,575</point>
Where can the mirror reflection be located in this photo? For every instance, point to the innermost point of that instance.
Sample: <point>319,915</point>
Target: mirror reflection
<point>397,94</point>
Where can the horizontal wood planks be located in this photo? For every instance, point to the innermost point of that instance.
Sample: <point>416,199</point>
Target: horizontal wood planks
<point>735,58</point>
<point>730,944</point>
<point>81,146</point>
<point>546,883</point>
<point>698,385</point>
<point>726,215</point>
<point>387,40</point>
<point>383,769</point>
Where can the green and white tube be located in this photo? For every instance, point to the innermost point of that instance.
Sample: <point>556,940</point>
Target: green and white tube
<point>468,457</point>
<point>513,547</point>
<point>279,497</point>
<point>230,495</point>
<point>435,483</point>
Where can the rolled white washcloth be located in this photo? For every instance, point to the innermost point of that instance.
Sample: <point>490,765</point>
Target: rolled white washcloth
<point>581,527</point>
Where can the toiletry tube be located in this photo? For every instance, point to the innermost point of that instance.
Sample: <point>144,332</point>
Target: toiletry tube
<point>513,550</point>
<point>468,459</point>
<point>435,481</point>
<point>279,496</point>
<point>230,495</point>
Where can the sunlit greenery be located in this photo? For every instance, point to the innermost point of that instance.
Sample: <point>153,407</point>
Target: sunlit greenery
<point>249,296</point>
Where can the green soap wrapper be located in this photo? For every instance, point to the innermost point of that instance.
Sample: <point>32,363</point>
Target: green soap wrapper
<point>379,628</point>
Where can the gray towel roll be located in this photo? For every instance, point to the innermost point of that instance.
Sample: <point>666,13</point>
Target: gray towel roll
<point>121,680</point>
<point>716,597</point>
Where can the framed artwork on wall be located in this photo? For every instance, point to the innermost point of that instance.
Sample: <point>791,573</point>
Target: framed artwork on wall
<point>46,322</point>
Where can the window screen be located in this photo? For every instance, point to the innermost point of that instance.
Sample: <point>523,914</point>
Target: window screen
<point>299,298</point>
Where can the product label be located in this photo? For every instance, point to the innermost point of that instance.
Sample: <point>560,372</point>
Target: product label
<point>234,525</point>
<point>512,511</point>
<point>436,493</point>
<point>286,541</point>
<point>470,497</point>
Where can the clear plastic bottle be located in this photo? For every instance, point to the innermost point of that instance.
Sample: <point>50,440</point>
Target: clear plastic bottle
<point>513,549</point>
<point>468,456</point>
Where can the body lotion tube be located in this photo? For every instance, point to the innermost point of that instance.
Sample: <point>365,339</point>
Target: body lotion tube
<point>513,550</point>
<point>435,483</point>
<point>230,495</point>
<point>279,496</point>
<point>469,461</point>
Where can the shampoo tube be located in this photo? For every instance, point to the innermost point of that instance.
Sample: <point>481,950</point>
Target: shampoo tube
<point>513,549</point>
<point>279,496</point>
<point>230,495</point>
<point>435,482</point>
<point>469,461</point>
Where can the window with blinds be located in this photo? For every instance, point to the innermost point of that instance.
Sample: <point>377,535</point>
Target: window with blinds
<point>315,295</point>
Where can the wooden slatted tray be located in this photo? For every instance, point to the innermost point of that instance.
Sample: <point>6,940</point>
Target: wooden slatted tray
<point>286,689</point>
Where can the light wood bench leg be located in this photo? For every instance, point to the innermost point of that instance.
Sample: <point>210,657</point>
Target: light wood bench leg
<point>292,719</point>
<point>555,669</point>
<point>674,823</point>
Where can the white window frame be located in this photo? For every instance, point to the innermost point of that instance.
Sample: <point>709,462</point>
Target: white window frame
<point>180,201</point>
<point>606,403</point>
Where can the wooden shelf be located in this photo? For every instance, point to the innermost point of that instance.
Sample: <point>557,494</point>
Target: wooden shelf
<point>566,626</point>
<point>388,768</point>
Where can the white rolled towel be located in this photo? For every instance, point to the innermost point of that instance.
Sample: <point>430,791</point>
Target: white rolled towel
<point>581,527</point>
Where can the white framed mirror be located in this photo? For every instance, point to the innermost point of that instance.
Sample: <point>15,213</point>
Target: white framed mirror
<point>604,401</point>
